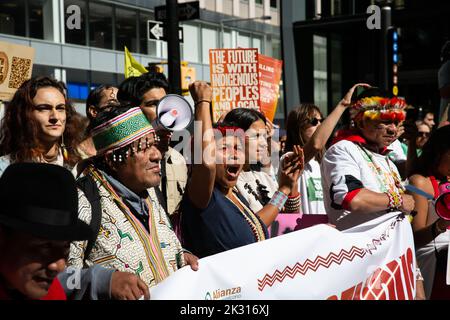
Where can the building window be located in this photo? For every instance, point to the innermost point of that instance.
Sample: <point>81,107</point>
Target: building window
<point>100,26</point>
<point>273,3</point>
<point>209,41</point>
<point>76,36</point>
<point>257,43</point>
<point>77,84</point>
<point>276,48</point>
<point>12,17</point>
<point>41,70</point>
<point>191,43</point>
<point>244,41</point>
<point>40,14</point>
<point>320,73</point>
<point>259,2</point>
<point>126,30</point>
<point>227,39</point>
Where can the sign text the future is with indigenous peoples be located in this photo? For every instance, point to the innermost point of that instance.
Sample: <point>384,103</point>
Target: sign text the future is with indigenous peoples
<point>234,79</point>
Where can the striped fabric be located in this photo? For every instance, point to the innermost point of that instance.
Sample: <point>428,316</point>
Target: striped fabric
<point>121,130</point>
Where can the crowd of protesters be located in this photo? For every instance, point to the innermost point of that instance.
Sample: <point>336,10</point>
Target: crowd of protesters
<point>112,197</point>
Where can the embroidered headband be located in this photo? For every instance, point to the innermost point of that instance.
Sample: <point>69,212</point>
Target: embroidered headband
<point>121,131</point>
<point>377,108</point>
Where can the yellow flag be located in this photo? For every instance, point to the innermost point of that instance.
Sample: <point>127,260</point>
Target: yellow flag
<point>132,67</point>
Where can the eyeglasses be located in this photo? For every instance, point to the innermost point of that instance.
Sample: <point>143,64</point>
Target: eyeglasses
<point>314,122</point>
<point>423,134</point>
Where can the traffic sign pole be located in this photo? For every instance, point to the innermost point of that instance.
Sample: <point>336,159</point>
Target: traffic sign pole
<point>173,46</point>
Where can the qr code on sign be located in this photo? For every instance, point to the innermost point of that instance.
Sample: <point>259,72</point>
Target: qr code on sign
<point>20,68</point>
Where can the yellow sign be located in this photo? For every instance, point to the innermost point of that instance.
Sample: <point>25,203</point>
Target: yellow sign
<point>188,75</point>
<point>132,67</point>
<point>16,65</point>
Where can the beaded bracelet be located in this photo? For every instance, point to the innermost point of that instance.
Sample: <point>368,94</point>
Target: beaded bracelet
<point>395,200</point>
<point>278,200</point>
<point>293,204</point>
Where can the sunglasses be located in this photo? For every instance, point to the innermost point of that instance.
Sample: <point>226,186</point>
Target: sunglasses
<point>423,134</point>
<point>315,121</point>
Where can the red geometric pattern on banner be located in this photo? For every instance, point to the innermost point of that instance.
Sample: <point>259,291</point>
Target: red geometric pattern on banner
<point>308,265</point>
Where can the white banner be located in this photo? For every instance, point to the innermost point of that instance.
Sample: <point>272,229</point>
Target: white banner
<point>372,261</point>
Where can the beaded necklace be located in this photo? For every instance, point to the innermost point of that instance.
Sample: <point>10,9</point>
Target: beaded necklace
<point>250,218</point>
<point>381,177</point>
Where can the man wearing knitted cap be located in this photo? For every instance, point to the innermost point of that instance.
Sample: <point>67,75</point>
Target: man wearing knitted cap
<point>360,182</point>
<point>134,232</point>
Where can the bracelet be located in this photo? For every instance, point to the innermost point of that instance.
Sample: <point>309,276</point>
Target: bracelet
<point>183,250</point>
<point>395,201</point>
<point>278,200</point>
<point>292,204</point>
<point>201,101</point>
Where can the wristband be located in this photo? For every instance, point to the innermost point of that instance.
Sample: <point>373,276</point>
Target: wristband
<point>201,101</point>
<point>278,200</point>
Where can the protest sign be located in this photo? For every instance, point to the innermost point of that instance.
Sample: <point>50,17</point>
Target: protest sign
<point>269,80</point>
<point>16,65</point>
<point>234,80</point>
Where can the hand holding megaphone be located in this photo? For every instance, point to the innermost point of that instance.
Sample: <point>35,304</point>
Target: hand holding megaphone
<point>441,204</point>
<point>174,113</point>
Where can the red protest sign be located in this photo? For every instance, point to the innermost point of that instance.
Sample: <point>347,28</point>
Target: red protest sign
<point>269,80</point>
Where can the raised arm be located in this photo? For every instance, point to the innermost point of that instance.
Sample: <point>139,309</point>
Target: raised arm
<point>323,132</point>
<point>290,172</point>
<point>201,183</point>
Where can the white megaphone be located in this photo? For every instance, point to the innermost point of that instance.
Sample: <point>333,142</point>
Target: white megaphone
<point>174,113</point>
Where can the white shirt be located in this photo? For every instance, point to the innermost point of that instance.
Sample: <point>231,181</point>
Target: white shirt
<point>249,178</point>
<point>345,168</point>
<point>310,189</point>
<point>397,154</point>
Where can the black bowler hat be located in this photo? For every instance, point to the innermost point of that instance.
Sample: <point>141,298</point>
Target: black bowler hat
<point>41,199</point>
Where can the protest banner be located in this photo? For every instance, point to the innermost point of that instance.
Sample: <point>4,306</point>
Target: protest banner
<point>284,223</point>
<point>234,80</point>
<point>16,65</point>
<point>373,261</point>
<point>269,81</point>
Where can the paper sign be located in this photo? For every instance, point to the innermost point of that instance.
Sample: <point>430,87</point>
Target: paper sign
<point>234,80</point>
<point>16,65</point>
<point>269,80</point>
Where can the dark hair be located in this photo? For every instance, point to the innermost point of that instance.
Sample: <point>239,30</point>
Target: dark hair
<point>19,133</point>
<point>132,89</point>
<point>127,92</point>
<point>432,152</point>
<point>372,92</point>
<point>296,124</point>
<point>95,96</point>
<point>152,80</point>
<point>243,117</point>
